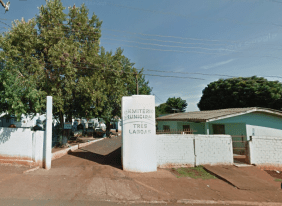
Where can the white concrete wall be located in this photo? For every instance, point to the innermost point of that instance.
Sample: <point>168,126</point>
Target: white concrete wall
<point>190,150</point>
<point>213,149</point>
<point>266,151</point>
<point>254,130</point>
<point>38,147</point>
<point>16,142</point>
<point>175,150</point>
<point>21,144</point>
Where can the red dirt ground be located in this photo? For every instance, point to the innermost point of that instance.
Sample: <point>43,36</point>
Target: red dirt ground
<point>95,172</point>
<point>275,174</point>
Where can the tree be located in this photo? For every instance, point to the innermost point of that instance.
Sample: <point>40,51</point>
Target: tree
<point>241,92</point>
<point>175,105</point>
<point>172,105</point>
<point>143,85</point>
<point>116,88</point>
<point>59,58</point>
<point>58,54</point>
<point>161,109</point>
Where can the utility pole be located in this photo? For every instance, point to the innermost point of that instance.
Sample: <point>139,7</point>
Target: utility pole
<point>6,6</point>
<point>137,84</point>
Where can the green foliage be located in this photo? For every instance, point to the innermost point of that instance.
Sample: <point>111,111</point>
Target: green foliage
<point>58,54</point>
<point>161,109</point>
<point>194,172</point>
<point>241,92</point>
<point>172,105</point>
<point>175,105</point>
<point>119,84</point>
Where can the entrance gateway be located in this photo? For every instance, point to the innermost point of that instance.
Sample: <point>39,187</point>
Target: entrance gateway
<point>138,149</point>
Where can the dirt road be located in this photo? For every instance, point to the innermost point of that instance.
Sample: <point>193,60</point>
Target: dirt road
<point>94,173</point>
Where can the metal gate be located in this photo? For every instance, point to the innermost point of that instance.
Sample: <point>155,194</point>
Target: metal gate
<point>240,144</point>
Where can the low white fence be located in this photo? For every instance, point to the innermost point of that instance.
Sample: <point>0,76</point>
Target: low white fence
<point>22,146</point>
<point>266,152</point>
<point>193,150</point>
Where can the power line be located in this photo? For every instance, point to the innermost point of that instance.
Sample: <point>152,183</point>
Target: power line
<point>174,76</point>
<point>169,45</point>
<point>99,29</point>
<point>166,50</point>
<point>205,74</point>
<point>176,42</point>
<point>179,51</point>
<point>133,73</point>
<point>158,97</point>
<point>5,23</point>
<point>198,52</point>
<point>189,73</point>
<point>167,71</point>
<point>190,16</point>
<point>176,37</point>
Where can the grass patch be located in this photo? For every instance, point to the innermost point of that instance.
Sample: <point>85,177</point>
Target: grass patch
<point>193,172</point>
<point>278,180</point>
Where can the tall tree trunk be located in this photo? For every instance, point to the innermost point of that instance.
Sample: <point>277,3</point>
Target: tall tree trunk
<point>61,128</point>
<point>108,128</point>
<point>69,119</point>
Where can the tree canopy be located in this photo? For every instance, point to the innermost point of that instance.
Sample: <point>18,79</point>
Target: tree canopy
<point>175,105</point>
<point>241,92</point>
<point>57,54</point>
<point>172,105</point>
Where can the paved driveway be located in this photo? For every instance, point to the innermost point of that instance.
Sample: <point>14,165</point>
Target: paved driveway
<point>105,152</point>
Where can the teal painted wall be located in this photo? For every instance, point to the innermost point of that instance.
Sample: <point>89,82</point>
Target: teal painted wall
<point>257,118</point>
<point>177,125</point>
<point>199,128</point>
<point>261,123</point>
<point>231,128</point>
<point>172,124</point>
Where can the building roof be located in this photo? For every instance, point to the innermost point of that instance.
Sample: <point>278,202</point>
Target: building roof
<point>212,115</point>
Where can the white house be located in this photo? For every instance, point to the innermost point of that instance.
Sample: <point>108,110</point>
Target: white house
<point>24,122</point>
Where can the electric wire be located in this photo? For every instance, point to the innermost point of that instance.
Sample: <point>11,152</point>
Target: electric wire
<point>170,45</point>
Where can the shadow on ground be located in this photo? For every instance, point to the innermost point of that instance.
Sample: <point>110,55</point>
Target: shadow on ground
<point>113,159</point>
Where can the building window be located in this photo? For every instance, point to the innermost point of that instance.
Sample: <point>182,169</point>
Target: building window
<point>218,129</point>
<point>166,128</point>
<point>186,129</point>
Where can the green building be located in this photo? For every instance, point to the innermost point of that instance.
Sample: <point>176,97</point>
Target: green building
<point>240,123</point>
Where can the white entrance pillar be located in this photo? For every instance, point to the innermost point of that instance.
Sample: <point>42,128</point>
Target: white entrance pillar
<point>139,134</point>
<point>48,134</point>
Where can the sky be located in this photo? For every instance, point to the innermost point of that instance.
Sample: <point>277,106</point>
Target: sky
<point>183,45</point>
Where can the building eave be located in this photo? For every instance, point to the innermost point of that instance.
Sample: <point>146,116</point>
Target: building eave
<point>183,120</point>
<point>270,111</point>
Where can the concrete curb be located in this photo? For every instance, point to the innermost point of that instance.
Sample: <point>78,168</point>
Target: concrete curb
<point>63,152</point>
<point>17,162</point>
<point>31,170</point>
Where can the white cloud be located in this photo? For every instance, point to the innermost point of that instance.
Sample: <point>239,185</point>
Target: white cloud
<point>194,96</point>
<point>217,64</point>
<point>192,106</point>
<point>200,85</point>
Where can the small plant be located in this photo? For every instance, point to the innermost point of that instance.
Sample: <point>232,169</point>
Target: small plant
<point>194,172</point>
<point>278,180</point>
